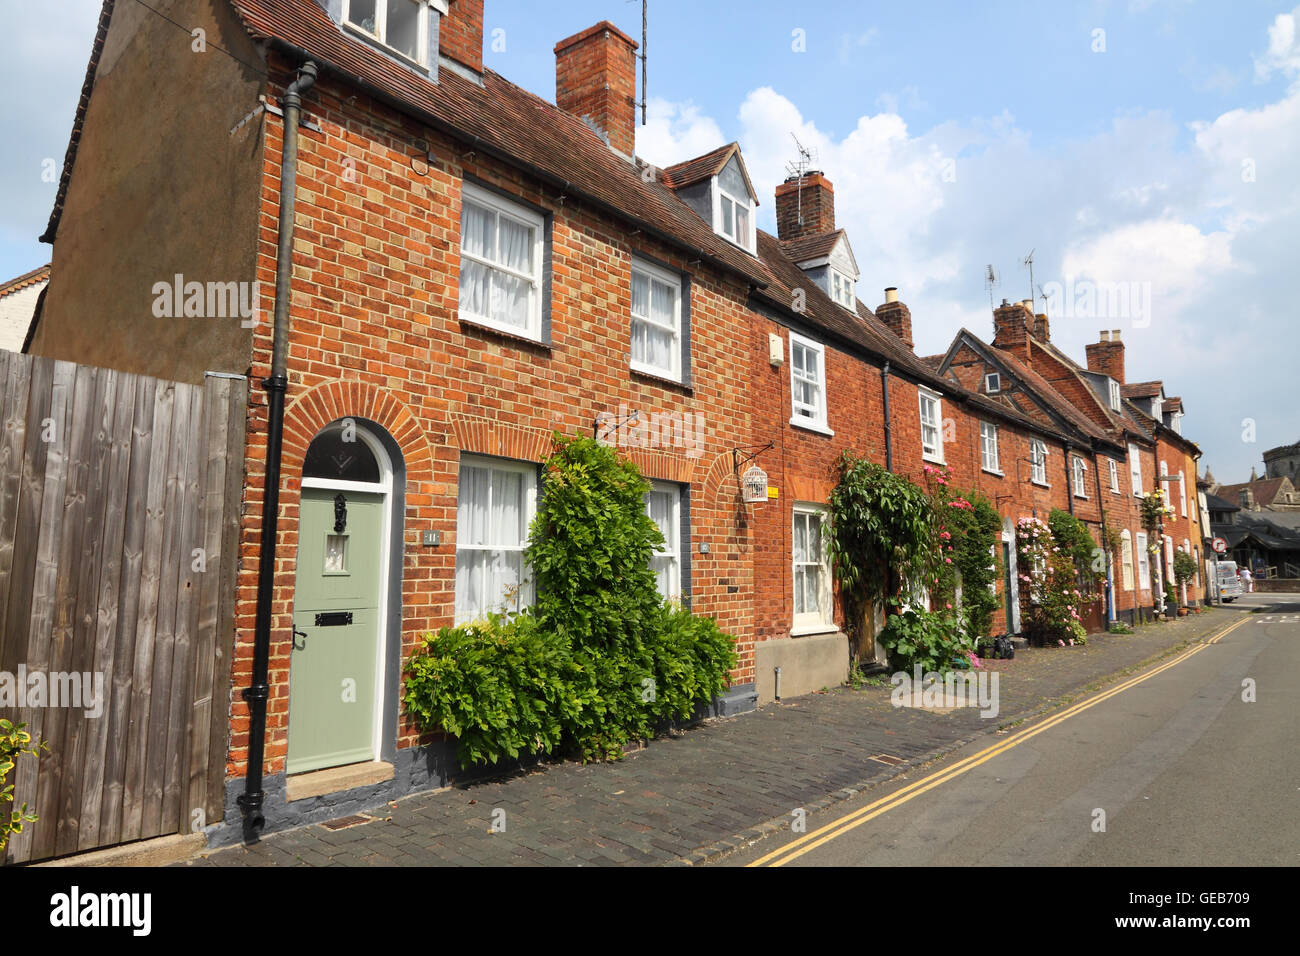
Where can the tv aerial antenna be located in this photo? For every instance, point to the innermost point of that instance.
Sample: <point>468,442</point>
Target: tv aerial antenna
<point>798,168</point>
<point>990,281</point>
<point>1029,261</point>
<point>641,56</point>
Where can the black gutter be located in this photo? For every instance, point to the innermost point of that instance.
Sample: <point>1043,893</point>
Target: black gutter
<point>889,441</point>
<point>250,801</point>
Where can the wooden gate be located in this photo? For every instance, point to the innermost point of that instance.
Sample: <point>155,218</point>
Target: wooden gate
<point>119,519</point>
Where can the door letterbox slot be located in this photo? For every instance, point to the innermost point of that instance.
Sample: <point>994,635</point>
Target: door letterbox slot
<point>334,618</point>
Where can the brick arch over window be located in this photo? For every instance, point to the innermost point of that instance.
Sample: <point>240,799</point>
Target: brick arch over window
<point>720,486</point>
<point>319,406</point>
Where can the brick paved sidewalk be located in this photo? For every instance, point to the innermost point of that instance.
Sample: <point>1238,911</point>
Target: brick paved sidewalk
<point>690,797</point>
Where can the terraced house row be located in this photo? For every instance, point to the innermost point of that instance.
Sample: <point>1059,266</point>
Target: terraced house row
<point>472,268</point>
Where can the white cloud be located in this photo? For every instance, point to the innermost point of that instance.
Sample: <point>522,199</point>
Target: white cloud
<point>1283,54</point>
<point>674,132</point>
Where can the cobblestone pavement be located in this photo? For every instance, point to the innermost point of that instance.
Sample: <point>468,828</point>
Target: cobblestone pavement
<point>693,796</point>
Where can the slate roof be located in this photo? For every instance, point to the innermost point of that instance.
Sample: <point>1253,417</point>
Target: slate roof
<point>1217,503</point>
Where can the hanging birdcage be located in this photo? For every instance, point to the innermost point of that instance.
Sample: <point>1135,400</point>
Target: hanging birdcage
<point>754,485</point>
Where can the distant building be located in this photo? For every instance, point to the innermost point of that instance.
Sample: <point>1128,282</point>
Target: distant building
<point>18,298</point>
<point>1282,462</point>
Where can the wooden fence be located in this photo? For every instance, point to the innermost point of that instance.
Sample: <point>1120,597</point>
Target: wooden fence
<point>119,520</point>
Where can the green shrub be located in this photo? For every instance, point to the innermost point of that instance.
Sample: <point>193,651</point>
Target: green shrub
<point>14,743</point>
<point>933,639</point>
<point>502,687</point>
<point>601,658</point>
<point>1119,627</point>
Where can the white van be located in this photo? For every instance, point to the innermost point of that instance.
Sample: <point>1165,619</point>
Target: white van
<point>1229,584</point>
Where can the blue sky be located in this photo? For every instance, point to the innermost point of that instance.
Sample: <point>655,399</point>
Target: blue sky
<point>1161,156</point>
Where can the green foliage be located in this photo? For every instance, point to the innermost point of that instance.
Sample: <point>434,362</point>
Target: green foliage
<point>1075,541</point>
<point>14,743</point>
<point>601,658</point>
<point>882,531</point>
<point>936,640</point>
<point>502,687</point>
<point>969,529</point>
<point>1184,567</point>
<point>1053,600</point>
<point>1119,627</point>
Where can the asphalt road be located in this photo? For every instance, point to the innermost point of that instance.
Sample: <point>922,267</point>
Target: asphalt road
<point>1175,769</point>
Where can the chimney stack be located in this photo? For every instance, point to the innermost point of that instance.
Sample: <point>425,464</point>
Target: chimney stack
<point>1012,324</point>
<point>595,79</point>
<point>1043,328</point>
<point>460,33</point>
<point>897,316</point>
<point>1107,355</point>
<point>809,198</point>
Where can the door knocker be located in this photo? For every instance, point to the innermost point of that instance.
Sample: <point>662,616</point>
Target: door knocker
<point>340,513</point>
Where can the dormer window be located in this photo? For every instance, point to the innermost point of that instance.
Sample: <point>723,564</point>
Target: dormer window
<point>1156,409</point>
<point>842,290</point>
<point>1114,394</point>
<point>733,207</point>
<point>400,26</point>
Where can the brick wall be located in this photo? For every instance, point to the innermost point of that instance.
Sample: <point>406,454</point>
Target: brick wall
<point>375,334</point>
<point>460,33</point>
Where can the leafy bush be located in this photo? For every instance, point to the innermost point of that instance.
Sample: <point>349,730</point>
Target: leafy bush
<point>502,687</point>
<point>14,743</point>
<point>882,531</point>
<point>600,659</point>
<point>1119,627</point>
<point>936,640</point>
<point>1184,567</point>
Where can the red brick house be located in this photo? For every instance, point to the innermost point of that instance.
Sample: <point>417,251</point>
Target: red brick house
<point>472,268</point>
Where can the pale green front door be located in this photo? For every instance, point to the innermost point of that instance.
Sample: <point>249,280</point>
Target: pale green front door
<point>336,629</point>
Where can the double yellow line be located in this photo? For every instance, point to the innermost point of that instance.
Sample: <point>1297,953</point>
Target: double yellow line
<point>811,841</point>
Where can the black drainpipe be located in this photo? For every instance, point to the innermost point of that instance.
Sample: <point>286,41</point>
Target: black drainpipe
<point>250,801</point>
<point>1069,477</point>
<point>889,441</point>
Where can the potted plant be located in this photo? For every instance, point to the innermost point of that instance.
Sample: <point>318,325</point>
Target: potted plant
<point>1184,571</point>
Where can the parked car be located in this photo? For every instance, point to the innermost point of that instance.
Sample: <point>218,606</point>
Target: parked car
<point>1229,583</point>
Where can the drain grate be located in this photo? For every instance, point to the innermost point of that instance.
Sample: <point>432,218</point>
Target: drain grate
<point>342,823</point>
<point>888,759</point>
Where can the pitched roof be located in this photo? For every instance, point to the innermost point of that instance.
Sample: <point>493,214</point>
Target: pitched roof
<point>1217,503</point>
<point>1174,404</point>
<point>1046,392</point>
<point>1264,491</point>
<point>1141,389</point>
<point>811,247</point>
<point>691,171</point>
<point>35,277</point>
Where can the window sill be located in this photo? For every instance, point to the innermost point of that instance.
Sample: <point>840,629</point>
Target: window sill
<point>478,325</point>
<point>1040,484</point>
<point>804,423</point>
<point>658,378</point>
<point>1081,497</point>
<point>932,459</point>
<point>807,630</point>
<point>990,471</point>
